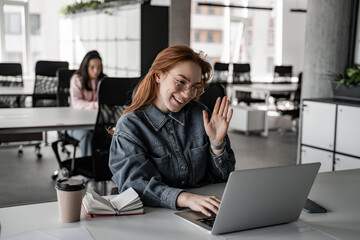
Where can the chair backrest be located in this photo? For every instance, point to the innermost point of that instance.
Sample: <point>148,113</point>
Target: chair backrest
<point>212,92</point>
<point>282,72</point>
<point>11,74</point>
<point>241,73</point>
<point>113,95</point>
<point>221,72</point>
<point>45,87</point>
<point>63,88</point>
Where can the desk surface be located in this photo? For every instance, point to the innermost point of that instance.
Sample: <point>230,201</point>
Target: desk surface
<point>337,191</point>
<point>27,90</point>
<point>23,120</point>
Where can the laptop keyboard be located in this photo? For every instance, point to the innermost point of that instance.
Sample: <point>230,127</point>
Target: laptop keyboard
<point>208,220</point>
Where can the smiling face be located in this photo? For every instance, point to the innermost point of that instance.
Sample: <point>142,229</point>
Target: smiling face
<point>170,97</point>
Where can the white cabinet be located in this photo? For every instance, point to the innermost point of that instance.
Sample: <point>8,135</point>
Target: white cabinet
<point>318,127</point>
<point>345,162</point>
<point>331,134</point>
<point>310,155</point>
<point>348,130</point>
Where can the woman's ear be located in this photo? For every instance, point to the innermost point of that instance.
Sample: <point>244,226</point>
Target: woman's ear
<point>157,77</point>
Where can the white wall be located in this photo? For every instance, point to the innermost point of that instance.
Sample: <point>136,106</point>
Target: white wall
<point>116,36</point>
<point>294,35</point>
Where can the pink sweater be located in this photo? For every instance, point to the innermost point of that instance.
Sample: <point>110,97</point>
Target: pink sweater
<point>81,98</point>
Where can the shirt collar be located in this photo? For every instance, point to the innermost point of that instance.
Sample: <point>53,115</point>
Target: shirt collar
<point>157,119</point>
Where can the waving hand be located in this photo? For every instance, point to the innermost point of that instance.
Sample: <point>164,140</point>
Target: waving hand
<point>218,124</point>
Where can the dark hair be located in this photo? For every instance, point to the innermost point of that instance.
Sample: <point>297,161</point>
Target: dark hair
<point>146,91</point>
<point>83,69</point>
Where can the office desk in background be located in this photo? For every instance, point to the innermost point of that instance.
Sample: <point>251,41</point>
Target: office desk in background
<point>337,191</point>
<point>267,89</point>
<point>18,92</point>
<point>27,90</point>
<point>27,120</point>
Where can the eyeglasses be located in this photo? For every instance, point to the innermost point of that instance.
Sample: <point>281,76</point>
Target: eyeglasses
<point>181,85</point>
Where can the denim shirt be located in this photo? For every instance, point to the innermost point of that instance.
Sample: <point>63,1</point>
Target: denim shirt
<point>158,155</point>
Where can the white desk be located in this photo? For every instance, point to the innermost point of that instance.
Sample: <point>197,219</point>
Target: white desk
<point>267,90</point>
<point>26,90</point>
<point>16,91</point>
<point>337,191</point>
<point>27,120</point>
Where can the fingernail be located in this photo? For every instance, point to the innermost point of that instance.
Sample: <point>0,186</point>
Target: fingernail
<point>209,214</point>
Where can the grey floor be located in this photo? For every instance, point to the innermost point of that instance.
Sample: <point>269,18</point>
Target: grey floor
<point>26,179</point>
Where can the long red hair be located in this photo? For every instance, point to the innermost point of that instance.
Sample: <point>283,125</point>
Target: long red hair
<point>146,91</point>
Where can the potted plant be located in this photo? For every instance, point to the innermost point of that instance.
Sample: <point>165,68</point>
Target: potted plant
<point>348,86</point>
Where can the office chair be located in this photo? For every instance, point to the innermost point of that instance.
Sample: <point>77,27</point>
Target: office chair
<point>241,75</point>
<point>212,92</point>
<point>282,74</point>
<point>45,86</point>
<point>63,100</point>
<point>11,76</point>
<point>293,112</point>
<point>221,73</point>
<point>113,95</point>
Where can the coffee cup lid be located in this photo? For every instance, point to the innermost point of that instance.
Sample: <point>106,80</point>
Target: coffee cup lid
<point>69,184</point>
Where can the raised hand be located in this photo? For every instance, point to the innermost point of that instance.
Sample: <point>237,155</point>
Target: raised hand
<point>218,125</point>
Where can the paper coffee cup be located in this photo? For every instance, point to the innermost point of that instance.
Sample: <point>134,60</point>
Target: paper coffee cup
<point>69,194</point>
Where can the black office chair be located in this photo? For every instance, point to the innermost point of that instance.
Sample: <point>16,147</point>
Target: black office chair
<point>212,92</point>
<point>294,110</point>
<point>11,76</point>
<point>282,75</point>
<point>113,95</point>
<point>241,75</point>
<point>63,100</point>
<point>45,86</point>
<point>221,73</point>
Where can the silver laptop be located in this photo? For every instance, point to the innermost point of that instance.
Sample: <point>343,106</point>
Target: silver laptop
<point>259,197</point>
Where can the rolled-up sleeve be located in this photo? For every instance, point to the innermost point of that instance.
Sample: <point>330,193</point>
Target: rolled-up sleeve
<point>131,168</point>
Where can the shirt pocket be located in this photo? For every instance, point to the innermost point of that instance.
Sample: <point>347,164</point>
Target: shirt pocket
<point>199,157</point>
<point>165,167</point>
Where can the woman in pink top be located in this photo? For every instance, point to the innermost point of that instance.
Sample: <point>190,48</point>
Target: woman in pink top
<point>83,87</point>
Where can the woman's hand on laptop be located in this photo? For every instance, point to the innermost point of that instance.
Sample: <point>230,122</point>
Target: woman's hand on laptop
<point>198,203</point>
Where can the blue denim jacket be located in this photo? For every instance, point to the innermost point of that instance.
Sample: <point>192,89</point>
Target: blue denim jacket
<point>158,155</point>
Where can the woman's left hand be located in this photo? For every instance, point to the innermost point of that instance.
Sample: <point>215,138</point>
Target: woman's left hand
<point>218,124</point>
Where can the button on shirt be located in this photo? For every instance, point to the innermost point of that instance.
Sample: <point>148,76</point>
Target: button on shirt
<point>158,155</point>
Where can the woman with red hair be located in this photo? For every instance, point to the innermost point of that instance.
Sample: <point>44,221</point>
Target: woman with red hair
<point>166,140</point>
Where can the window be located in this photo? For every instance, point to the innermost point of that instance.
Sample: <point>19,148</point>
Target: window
<point>217,37</point>
<point>270,64</point>
<point>210,36</point>
<point>197,9</point>
<point>211,10</point>
<point>271,37</point>
<point>197,35</point>
<point>249,22</point>
<point>271,22</point>
<point>13,23</point>
<point>14,56</point>
<point>35,24</point>
<point>249,37</point>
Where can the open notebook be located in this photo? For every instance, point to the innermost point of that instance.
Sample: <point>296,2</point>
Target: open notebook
<point>125,203</point>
